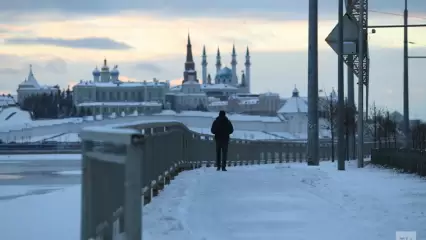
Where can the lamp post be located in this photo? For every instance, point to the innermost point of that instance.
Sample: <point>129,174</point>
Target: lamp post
<point>313,143</point>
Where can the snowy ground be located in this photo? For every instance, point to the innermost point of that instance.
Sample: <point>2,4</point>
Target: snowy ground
<point>13,118</point>
<point>277,201</point>
<point>23,129</point>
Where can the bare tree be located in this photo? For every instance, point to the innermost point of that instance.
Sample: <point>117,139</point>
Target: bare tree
<point>419,136</point>
<point>330,110</point>
<point>385,129</point>
<point>350,128</point>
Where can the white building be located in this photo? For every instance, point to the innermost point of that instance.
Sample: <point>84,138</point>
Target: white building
<point>295,113</point>
<point>30,86</point>
<point>7,100</point>
<point>106,94</point>
<point>262,104</point>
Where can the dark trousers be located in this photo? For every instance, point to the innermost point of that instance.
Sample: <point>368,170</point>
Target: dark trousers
<point>221,153</point>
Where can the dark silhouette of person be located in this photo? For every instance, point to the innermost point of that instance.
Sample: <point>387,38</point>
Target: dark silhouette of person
<point>222,128</point>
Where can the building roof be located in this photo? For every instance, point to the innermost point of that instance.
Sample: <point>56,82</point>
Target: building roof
<point>30,82</point>
<point>120,84</point>
<point>220,86</point>
<point>295,104</point>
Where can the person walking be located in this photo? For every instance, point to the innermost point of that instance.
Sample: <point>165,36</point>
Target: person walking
<point>222,128</point>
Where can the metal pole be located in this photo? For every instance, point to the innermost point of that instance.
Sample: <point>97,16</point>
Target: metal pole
<point>351,105</point>
<point>313,144</point>
<point>340,95</point>
<point>406,99</point>
<point>351,95</point>
<point>133,190</point>
<point>360,122</point>
<point>332,112</point>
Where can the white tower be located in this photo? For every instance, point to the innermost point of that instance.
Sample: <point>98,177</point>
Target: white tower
<point>234,66</point>
<point>204,66</point>
<point>247,72</point>
<point>105,75</point>
<point>218,61</point>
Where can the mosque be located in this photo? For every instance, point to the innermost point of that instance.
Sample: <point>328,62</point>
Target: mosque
<point>192,93</point>
<point>225,82</point>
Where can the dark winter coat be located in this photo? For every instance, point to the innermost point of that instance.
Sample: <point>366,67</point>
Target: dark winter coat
<point>222,128</point>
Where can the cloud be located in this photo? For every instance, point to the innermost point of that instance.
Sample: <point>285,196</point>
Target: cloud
<point>56,65</point>
<point>150,67</point>
<point>9,71</point>
<point>19,9</point>
<point>85,43</point>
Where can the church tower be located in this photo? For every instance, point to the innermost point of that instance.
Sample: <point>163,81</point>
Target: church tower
<point>218,61</point>
<point>247,72</point>
<point>234,66</point>
<point>105,74</point>
<point>189,74</point>
<point>204,66</point>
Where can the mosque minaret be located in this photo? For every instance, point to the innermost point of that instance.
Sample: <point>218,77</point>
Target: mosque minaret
<point>204,66</point>
<point>227,75</point>
<point>247,65</point>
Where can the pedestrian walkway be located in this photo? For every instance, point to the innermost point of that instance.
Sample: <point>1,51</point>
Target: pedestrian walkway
<point>288,201</point>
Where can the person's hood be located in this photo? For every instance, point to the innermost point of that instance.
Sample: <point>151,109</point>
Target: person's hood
<point>222,118</point>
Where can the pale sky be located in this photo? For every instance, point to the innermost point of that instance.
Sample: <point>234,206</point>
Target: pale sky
<point>65,41</point>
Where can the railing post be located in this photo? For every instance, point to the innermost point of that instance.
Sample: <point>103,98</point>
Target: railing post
<point>86,210</point>
<point>133,189</point>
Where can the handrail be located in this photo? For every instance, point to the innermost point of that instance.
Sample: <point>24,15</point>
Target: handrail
<point>122,162</point>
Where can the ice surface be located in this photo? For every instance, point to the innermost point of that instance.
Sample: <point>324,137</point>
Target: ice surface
<point>276,201</point>
<point>14,191</point>
<point>76,172</point>
<point>24,157</point>
<point>49,217</point>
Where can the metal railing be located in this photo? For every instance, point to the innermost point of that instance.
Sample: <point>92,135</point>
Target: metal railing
<point>125,166</point>
<point>408,160</point>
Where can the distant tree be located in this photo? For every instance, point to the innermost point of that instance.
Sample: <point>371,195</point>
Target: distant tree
<point>418,135</point>
<point>330,113</point>
<point>82,112</point>
<point>201,107</point>
<point>53,105</point>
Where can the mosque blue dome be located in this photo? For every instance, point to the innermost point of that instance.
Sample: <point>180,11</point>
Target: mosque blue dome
<point>224,76</point>
<point>226,71</point>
